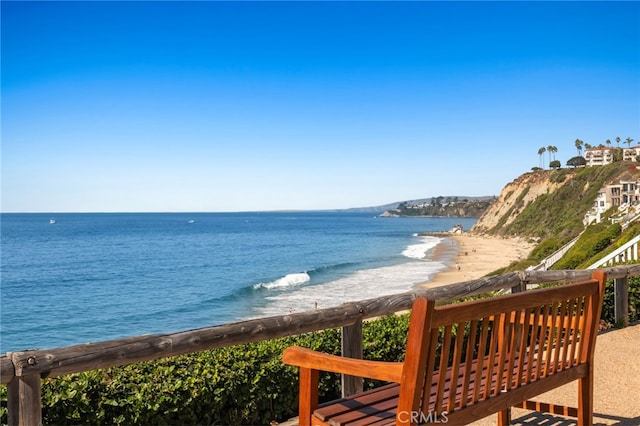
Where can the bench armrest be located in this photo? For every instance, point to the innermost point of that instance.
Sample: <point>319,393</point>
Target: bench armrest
<point>307,358</point>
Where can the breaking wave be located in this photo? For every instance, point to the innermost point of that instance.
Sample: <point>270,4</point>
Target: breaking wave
<point>286,281</point>
<point>421,249</point>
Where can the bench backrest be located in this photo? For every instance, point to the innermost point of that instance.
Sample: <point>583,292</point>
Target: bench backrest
<point>460,354</point>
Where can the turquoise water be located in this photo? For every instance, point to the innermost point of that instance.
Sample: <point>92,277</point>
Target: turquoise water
<point>94,277</point>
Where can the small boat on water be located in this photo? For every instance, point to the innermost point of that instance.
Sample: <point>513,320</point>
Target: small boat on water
<point>52,221</point>
<point>191,221</point>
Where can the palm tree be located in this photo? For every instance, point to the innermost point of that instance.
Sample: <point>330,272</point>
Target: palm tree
<point>628,142</point>
<point>608,142</point>
<point>579,146</point>
<point>541,152</point>
<point>552,149</point>
<point>618,140</point>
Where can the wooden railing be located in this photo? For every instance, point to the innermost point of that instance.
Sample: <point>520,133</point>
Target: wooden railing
<point>23,370</point>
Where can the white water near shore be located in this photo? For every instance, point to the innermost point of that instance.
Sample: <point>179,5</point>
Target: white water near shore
<point>362,284</point>
<point>437,261</point>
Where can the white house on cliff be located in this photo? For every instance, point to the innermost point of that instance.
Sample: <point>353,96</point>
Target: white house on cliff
<point>605,155</point>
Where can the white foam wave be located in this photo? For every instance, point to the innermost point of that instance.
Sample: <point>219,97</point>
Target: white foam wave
<point>419,250</point>
<point>363,284</point>
<point>286,281</point>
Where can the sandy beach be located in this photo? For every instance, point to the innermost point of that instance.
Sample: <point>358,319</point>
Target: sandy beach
<point>474,256</point>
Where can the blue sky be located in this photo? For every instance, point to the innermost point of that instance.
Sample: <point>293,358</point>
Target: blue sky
<point>215,106</point>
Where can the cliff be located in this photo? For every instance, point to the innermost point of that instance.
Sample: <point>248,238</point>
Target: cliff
<point>548,203</point>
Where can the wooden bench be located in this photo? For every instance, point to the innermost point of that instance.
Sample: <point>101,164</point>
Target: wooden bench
<point>466,361</point>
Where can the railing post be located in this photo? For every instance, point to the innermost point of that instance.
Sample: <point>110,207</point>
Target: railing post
<point>24,396</point>
<point>520,287</point>
<point>621,301</point>
<point>352,348</point>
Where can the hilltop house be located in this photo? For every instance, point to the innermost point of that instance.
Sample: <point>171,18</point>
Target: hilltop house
<point>599,156</point>
<point>631,153</point>
<point>606,155</point>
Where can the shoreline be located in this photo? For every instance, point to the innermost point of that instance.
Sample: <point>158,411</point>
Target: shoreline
<point>471,256</point>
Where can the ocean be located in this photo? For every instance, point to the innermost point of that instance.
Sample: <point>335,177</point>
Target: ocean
<point>90,277</point>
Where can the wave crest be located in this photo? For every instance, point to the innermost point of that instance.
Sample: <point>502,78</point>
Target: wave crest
<point>286,281</point>
<point>419,251</point>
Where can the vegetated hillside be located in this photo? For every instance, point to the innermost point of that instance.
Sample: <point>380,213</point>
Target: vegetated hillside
<point>550,203</point>
<point>444,207</point>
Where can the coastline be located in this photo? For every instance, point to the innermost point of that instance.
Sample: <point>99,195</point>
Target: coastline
<point>470,256</point>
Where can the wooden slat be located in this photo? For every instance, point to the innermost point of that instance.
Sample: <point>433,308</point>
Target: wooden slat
<point>484,335</point>
<point>471,345</point>
<point>504,332</point>
<point>535,329</point>
<point>524,344</point>
<point>511,344</point>
<point>335,408</point>
<point>550,340</point>
<point>576,331</point>
<point>560,327</point>
<point>444,358</point>
<point>568,332</point>
<point>382,422</point>
<point>430,375</point>
<point>583,335</point>
<point>543,341</point>
<point>366,413</point>
<point>493,345</point>
<point>457,359</point>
